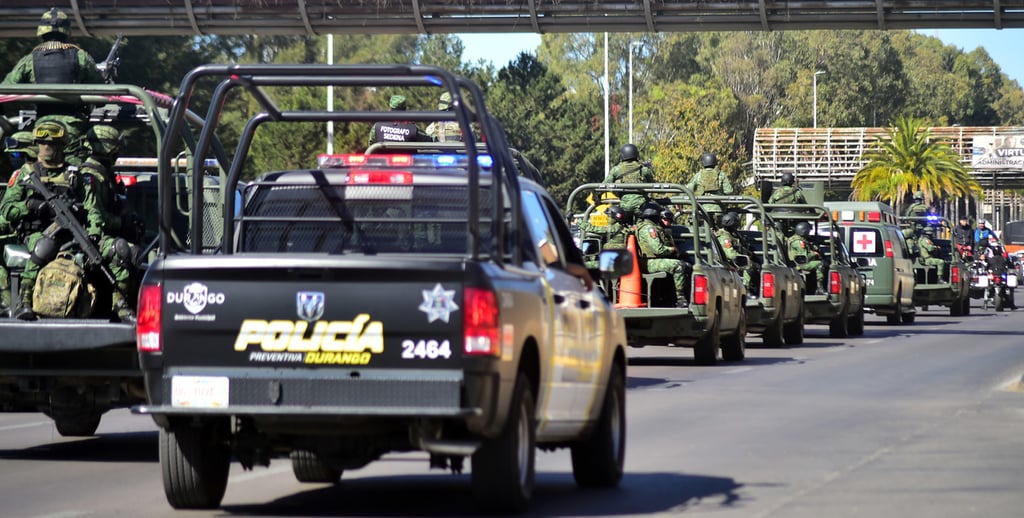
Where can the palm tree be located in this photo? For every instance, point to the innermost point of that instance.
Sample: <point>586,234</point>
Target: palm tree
<point>908,160</point>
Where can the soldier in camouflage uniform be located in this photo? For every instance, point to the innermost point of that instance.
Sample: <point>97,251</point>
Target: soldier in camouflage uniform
<point>926,251</point>
<point>22,149</point>
<point>709,180</point>
<point>656,246</point>
<point>26,210</point>
<point>789,192</point>
<point>800,245</point>
<point>104,144</point>
<point>630,169</point>
<point>445,131</point>
<point>734,245</point>
<point>614,234</point>
<point>397,131</point>
<point>55,60</point>
<point>919,208</point>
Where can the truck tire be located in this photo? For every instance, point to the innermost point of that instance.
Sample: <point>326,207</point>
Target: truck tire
<point>195,464</point>
<point>774,335</point>
<point>793,332</point>
<point>908,318</point>
<point>503,467</point>
<point>897,312</point>
<point>598,459</point>
<point>734,347</point>
<point>308,467</point>
<point>967,306</point>
<point>856,323</point>
<point>705,351</point>
<point>78,425</point>
<point>839,327</point>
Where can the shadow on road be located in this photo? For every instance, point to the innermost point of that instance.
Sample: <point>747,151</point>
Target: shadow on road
<point>451,496</point>
<point>108,447</point>
<point>671,361</point>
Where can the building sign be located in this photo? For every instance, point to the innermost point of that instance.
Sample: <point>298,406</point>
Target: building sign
<point>998,152</point>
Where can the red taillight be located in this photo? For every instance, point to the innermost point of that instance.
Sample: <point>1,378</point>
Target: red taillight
<point>835,283</point>
<point>768,285</point>
<point>874,217</point>
<point>954,275</point>
<point>147,330</point>
<point>380,177</point>
<point>994,278</point>
<point>888,248</point>
<point>700,290</point>
<point>127,181</point>
<point>480,323</point>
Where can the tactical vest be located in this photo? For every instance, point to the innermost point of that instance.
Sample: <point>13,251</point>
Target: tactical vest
<point>55,62</point>
<point>629,173</point>
<point>925,247</point>
<point>449,131</point>
<point>797,246</point>
<point>709,182</point>
<point>786,194</point>
<point>395,132</point>
<point>644,238</point>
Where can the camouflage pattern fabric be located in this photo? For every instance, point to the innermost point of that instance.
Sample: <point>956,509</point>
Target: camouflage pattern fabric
<point>917,210</point>
<point>926,250</point>
<point>654,243</point>
<point>85,70</point>
<point>710,181</point>
<point>733,245</point>
<point>799,246</point>
<point>787,194</point>
<point>630,171</point>
<point>61,290</point>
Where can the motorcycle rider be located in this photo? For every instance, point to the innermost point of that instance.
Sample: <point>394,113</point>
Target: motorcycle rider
<point>963,236</point>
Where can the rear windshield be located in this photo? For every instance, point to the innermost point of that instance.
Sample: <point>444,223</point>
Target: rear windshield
<point>369,219</point>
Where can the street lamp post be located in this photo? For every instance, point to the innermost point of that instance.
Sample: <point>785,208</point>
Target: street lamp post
<point>815,90</point>
<point>631,44</point>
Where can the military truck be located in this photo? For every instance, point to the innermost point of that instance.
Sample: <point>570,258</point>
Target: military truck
<point>377,303</point>
<point>76,369</point>
<point>952,288</point>
<point>870,230</point>
<point>776,312</point>
<point>841,306</point>
<point>714,318</point>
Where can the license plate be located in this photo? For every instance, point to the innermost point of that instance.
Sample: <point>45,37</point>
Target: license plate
<point>1011,280</point>
<point>199,391</point>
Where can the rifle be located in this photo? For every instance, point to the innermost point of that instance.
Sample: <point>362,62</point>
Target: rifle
<point>64,217</point>
<point>108,67</point>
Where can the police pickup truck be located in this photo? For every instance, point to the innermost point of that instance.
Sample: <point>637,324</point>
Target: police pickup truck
<point>75,369</point>
<point>379,303</point>
<point>948,285</point>
<point>714,318</point>
<point>776,311</point>
<point>841,304</point>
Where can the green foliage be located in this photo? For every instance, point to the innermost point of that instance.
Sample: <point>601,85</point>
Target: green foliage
<point>910,160</point>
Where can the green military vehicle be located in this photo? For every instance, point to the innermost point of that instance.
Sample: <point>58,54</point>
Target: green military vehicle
<point>77,368</point>
<point>776,312</point>
<point>841,304</point>
<point>949,287</point>
<point>714,318</point>
<point>871,231</point>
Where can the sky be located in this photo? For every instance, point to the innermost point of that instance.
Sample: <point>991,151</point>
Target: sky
<point>1002,45</point>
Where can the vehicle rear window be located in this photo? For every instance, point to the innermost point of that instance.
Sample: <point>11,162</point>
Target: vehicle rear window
<point>864,241</point>
<point>369,219</point>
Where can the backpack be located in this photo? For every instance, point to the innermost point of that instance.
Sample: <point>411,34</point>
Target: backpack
<point>61,290</point>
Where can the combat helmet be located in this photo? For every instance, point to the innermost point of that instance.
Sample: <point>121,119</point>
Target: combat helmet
<point>629,152</point>
<point>104,140</point>
<point>397,102</point>
<point>918,195</point>
<point>620,215</point>
<point>444,103</point>
<point>731,220</point>
<point>21,142</point>
<point>802,229</point>
<point>788,179</point>
<point>54,25</point>
<point>708,160</point>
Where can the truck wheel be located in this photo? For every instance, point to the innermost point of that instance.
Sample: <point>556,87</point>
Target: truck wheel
<point>956,308</point>
<point>734,347</point>
<point>856,323</point>
<point>597,460</point>
<point>195,464</point>
<point>774,335</point>
<point>503,467</point>
<point>908,318</point>
<point>705,351</point>
<point>999,303</point>
<point>967,306</point>
<point>897,312</point>
<point>839,327</point>
<point>793,332</point>
<point>79,425</point>
<point>308,467</point>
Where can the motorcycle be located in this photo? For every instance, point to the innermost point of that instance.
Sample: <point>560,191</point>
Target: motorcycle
<point>999,292</point>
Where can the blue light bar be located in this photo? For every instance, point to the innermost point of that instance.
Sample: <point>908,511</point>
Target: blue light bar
<point>485,161</point>
<point>445,160</point>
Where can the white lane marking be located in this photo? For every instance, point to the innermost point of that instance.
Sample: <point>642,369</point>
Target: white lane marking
<point>20,426</point>
<point>259,472</point>
<point>738,370</point>
<point>63,514</point>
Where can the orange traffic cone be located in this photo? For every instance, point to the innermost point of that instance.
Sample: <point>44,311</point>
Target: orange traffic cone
<point>629,285</point>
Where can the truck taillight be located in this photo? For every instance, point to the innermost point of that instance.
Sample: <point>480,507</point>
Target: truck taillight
<point>768,285</point>
<point>147,329</point>
<point>700,290</point>
<point>888,248</point>
<point>835,283</point>
<point>480,323</point>
<point>954,275</point>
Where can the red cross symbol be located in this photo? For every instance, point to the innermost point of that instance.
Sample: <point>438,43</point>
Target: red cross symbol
<point>865,242</point>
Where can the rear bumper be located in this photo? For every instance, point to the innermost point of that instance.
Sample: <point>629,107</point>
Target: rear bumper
<point>663,326</point>
<point>63,335</point>
<point>820,309</point>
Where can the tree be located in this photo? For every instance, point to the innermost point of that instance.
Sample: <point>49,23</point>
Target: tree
<point>910,160</point>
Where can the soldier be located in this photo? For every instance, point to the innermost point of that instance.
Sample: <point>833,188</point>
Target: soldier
<point>630,169</point>
<point>734,245</point>
<point>104,144</point>
<point>926,250</point>
<point>22,150</point>
<point>397,131</point>
<point>799,245</point>
<point>25,209</point>
<point>709,180</point>
<point>789,192</point>
<point>919,208</point>
<point>445,131</point>
<point>656,245</point>
<point>614,234</point>
<point>55,60</point>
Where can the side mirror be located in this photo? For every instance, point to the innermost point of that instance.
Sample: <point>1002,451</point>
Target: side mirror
<point>800,259</point>
<point>590,246</point>
<point>862,262</point>
<point>615,263</point>
<point>741,261</point>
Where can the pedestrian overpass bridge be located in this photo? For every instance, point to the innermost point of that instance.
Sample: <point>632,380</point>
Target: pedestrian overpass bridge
<point>18,18</point>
